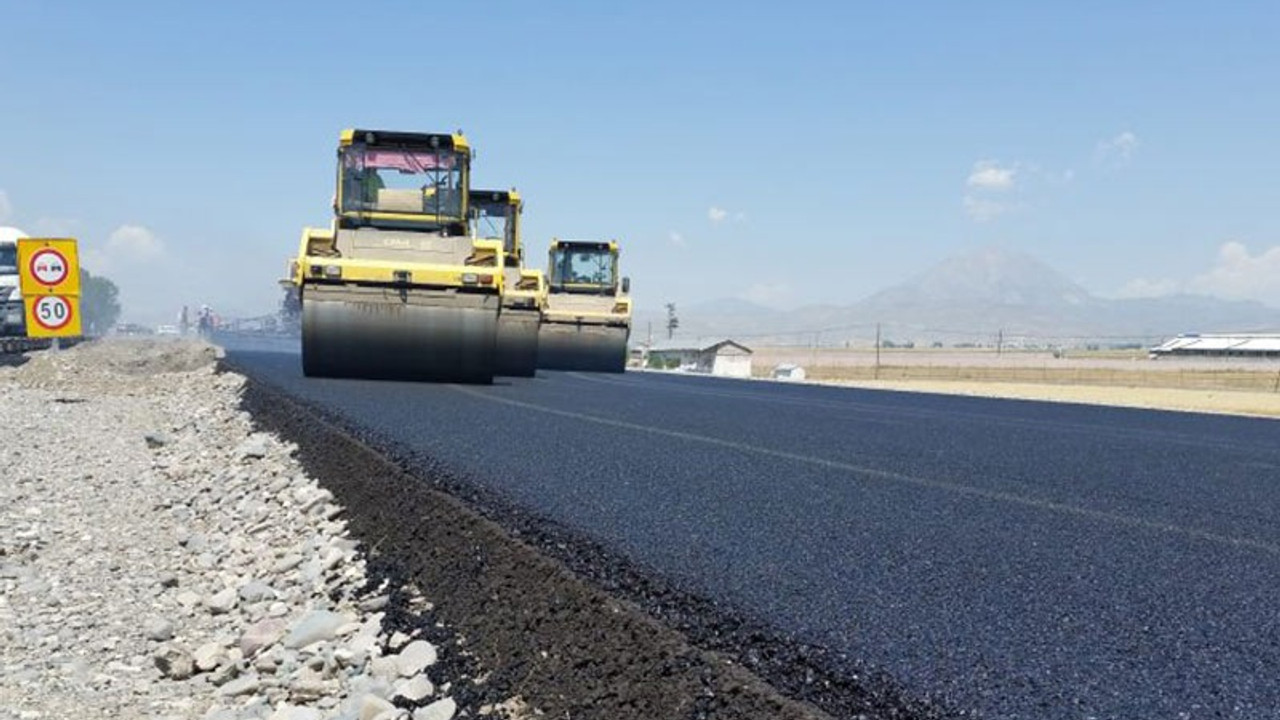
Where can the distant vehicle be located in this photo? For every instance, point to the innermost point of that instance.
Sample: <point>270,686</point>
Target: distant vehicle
<point>12,321</point>
<point>133,329</point>
<point>167,330</point>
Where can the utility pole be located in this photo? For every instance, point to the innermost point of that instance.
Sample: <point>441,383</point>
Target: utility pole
<point>877,371</point>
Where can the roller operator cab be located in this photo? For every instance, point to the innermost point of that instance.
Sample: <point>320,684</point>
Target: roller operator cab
<point>396,287</point>
<point>587,321</point>
<point>496,214</point>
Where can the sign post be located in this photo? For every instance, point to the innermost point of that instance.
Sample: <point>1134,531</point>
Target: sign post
<point>49,272</point>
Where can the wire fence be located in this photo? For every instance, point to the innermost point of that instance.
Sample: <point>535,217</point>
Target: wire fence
<point>909,335</point>
<point>1186,378</point>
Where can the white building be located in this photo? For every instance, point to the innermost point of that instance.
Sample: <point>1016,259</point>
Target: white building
<point>787,371</point>
<point>1241,345</point>
<point>725,357</point>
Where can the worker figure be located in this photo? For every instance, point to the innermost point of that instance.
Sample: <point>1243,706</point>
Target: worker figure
<point>184,321</point>
<point>370,184</point>
<point>205,321</point>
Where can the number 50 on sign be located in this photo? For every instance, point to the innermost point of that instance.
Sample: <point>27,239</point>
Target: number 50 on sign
<point>53,315</point>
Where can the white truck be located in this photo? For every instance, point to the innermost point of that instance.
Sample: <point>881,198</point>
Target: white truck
<point>11,313</point>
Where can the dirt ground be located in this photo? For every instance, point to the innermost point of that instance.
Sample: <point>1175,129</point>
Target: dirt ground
<point>1230,402</point>
<point>1129,379</point>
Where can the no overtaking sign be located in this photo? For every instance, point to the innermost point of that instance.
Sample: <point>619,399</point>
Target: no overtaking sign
<point>48,266</point>
<point>49,270</point>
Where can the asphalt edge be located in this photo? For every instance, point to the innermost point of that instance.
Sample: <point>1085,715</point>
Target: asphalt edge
<point>728,666</point>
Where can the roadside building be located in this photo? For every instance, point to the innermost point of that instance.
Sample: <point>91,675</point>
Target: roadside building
<point>722,357</point>
<point>787,371</point>
<point>1221,346</point>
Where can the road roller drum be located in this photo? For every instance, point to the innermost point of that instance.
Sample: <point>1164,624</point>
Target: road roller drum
<point>591,348</point>
<point>517,346</point>
<point>386,335</point>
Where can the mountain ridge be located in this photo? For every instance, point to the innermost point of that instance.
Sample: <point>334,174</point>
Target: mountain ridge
<point>971,297</point>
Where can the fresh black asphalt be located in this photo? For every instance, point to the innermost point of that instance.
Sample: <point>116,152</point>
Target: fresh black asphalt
<point>1004,558</point>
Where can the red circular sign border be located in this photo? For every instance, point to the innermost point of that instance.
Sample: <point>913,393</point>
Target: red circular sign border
<point>35,312</point>
<point>66,266</point>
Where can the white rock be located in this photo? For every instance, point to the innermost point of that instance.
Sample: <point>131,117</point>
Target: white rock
<point>443,709</point>
<point>316,626</point>
<point>415,657</point>
<point>254,447</point>
<point>295,712</point>
<point>415,688</point>
<point>221,602</point>
<point>246,685</point>
<point>256,591</point>
<point>261,634</point>
<point>174,662</point>
<point>372,705</point>
<point>208,656</point>
<point>159,630</point>
<point>384,668</point>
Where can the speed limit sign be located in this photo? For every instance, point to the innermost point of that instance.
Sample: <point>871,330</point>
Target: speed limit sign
<point>53,316</point>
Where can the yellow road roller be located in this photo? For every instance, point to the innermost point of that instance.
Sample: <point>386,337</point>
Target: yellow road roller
<point>397,288</point>
<point>587,321</point>
<point>496,215</point>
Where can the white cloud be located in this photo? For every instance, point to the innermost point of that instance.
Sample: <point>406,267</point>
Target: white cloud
<point>128,246</point>
<point>6,207</point>
<point>989,181</point>
<point>676,238</point>
<point>1118,150</point>
<point>716,214</point>
<point>1239,275</point>
<point>134,243</point>
<point>989,175</point>
<point>1236,275</point>
<point>983,209</point>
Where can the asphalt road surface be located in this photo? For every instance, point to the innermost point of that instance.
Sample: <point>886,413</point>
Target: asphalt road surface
<point>1009,558</point>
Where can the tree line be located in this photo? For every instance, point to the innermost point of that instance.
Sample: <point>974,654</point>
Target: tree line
<point>99,303</point>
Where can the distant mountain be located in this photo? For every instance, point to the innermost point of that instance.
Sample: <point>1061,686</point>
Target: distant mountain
<point>990,277</point>
<point>970,299</point>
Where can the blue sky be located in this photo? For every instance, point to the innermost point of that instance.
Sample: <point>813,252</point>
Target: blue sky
<point>789,153</point>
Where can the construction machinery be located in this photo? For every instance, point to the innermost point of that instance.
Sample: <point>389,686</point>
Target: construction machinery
<point>496,214</point>
<point>396,287</point>
<point>587,321</point>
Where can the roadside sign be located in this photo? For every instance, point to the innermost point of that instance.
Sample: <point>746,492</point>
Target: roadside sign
<point>52,315</point>
<point>48,266</point>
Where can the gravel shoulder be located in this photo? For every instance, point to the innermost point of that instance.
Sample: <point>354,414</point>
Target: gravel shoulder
<point>178,542</point>
<point>160,558</point>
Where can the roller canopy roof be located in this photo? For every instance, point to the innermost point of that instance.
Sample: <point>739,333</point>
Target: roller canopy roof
<point>446,141</point>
